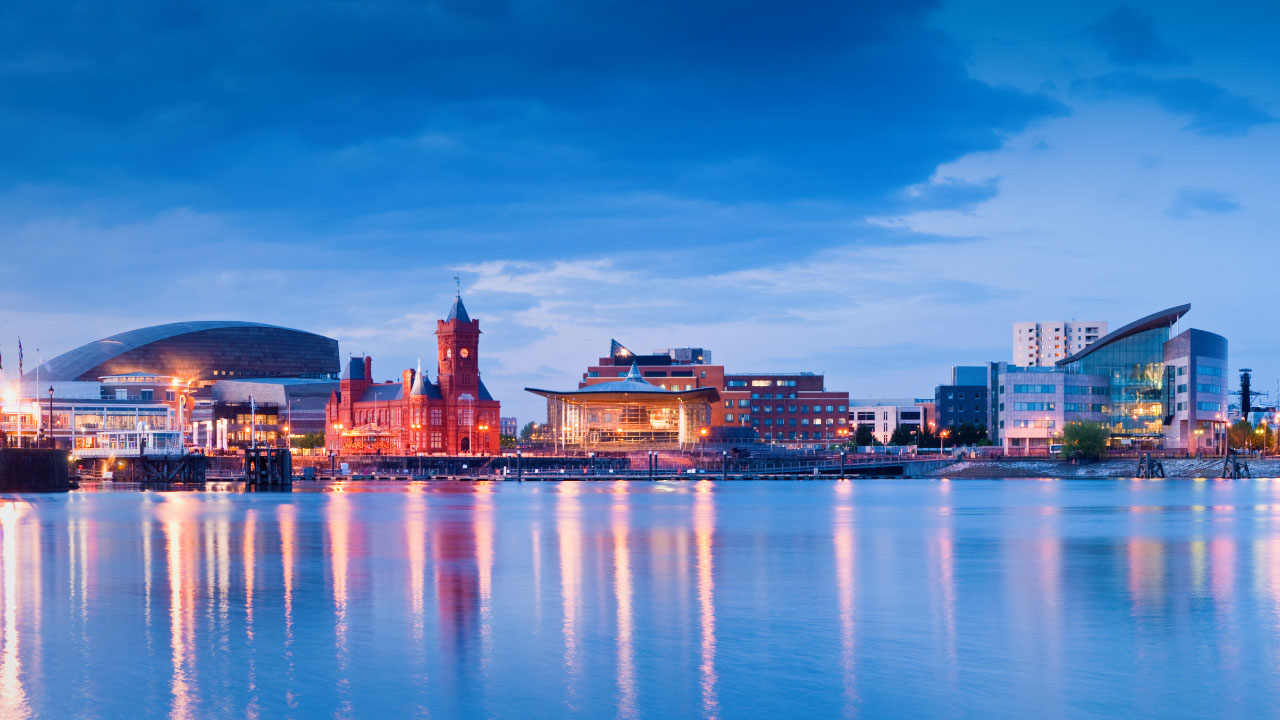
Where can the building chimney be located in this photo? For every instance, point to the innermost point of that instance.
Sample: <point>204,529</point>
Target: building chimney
<point>368,368</point>
<point>407,378</point>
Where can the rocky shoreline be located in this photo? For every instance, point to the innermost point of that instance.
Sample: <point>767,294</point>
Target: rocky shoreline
<point>1119,468</point>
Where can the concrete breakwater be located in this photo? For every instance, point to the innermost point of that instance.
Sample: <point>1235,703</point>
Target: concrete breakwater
<point>1119,467</point>
<point>33,470</point>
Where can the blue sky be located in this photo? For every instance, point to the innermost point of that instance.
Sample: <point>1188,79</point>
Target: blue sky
<point>871,190</point>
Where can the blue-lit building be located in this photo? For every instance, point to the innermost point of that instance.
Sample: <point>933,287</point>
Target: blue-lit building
<point>1150,388</point>
<point>965,399</point>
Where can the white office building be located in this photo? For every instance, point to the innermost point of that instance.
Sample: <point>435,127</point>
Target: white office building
<point>885,415</point>
<point>1042,344</point>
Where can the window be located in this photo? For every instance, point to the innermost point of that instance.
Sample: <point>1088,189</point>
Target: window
<point>1034,406</point>
<point>840,408</point>
<point>744,402</point>
<point>1212,389</point>
<point>147,394</point>
<point>804,421</point>
<point>791,422</point>
<point>728,417</point>
<point>437,440</point>
<point>1209,370</point>
<point>791,408</point>
<point>728,403</point>
<point>786,383</point>
<point>736,383</point>
<point>762,383</point>
<point>1035,388</point>
<point>170,396</point>
<point>830,408</point>
<point>755,408</point>
<point>768,408</point>
<point>1209,407</point>
<point>755,396</point>
<point>1181,371</point>
<point>437,416</point>
<point>768,421</point>
<point>1182,388</point>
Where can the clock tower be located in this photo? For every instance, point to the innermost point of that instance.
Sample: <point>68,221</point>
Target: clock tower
<point>458,338</point>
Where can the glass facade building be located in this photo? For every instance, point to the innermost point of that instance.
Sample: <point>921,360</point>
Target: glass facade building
<point>1134,365</point>
<point>1149,389</point>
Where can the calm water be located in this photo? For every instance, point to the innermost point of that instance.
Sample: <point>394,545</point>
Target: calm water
<point>741,600</point>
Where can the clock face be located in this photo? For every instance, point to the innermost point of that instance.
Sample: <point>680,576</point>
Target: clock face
<point>464,352</point>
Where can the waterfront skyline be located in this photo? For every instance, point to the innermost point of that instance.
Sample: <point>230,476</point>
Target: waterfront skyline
<point>877,192</point>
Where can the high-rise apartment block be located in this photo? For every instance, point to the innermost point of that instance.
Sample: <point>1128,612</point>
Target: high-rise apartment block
<point>1042,344</point>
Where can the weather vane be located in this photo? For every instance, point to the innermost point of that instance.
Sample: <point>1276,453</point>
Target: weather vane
<point>458,281</point>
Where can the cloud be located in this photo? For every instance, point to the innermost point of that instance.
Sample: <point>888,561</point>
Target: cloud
<point>1129,38</point>
<point>335,110</point>
<point>1213,110</point>
<point>948,194</point>
<point>1192,201</point>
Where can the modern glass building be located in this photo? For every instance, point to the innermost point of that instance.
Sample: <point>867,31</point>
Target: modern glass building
<point>1149,389</point>
<point>1132,358</point>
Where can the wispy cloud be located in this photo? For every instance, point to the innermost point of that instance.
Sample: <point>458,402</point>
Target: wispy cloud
<point>1212,110</point>
<point>1193,201</point>
<point>1129,37</point>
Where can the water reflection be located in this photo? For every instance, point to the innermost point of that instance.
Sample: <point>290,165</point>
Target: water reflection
<point>338,521</point>
<point>622,598</point>
<point>286,517</point>
<point>704,521</point>
<point>250,555</point>
<point>878,599</point>
<point>484,568</point>
<point>13,696</point>
<point>179,554</point>
<point>570,534</point>
<point>845,542</point>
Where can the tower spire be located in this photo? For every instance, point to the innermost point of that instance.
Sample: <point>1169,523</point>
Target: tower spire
<point>419,384</point>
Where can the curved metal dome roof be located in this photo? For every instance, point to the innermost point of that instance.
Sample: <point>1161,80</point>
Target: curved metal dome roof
<point>248,343</point>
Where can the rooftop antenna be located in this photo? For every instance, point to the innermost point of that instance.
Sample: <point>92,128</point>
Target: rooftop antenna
<point>458,282</point>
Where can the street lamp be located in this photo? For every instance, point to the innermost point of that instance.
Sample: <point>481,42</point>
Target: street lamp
<point>941,435</point>
<point>50,434</point>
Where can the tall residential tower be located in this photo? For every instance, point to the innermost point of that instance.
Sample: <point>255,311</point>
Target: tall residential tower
<point>1042,344</point>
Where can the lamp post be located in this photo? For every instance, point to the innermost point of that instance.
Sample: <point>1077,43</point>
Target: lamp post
<point>941,435</point>
<point>50,433</point>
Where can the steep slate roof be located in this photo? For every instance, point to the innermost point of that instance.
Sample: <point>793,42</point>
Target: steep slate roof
<point>383,393</point>
<point>458,311</point>
<point>1164,318</point>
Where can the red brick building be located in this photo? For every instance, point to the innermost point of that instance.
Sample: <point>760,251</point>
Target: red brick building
<point>455,415</point>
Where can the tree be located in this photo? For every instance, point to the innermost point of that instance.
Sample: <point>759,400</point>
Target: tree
<point>308,441</point>
<point>1243,436</point>
<point>506,441</point>
<point>863,437</point>
<point>968,433</point>
<point>526,432</point>
<point>1084,440</point>
<point>905,435</point>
